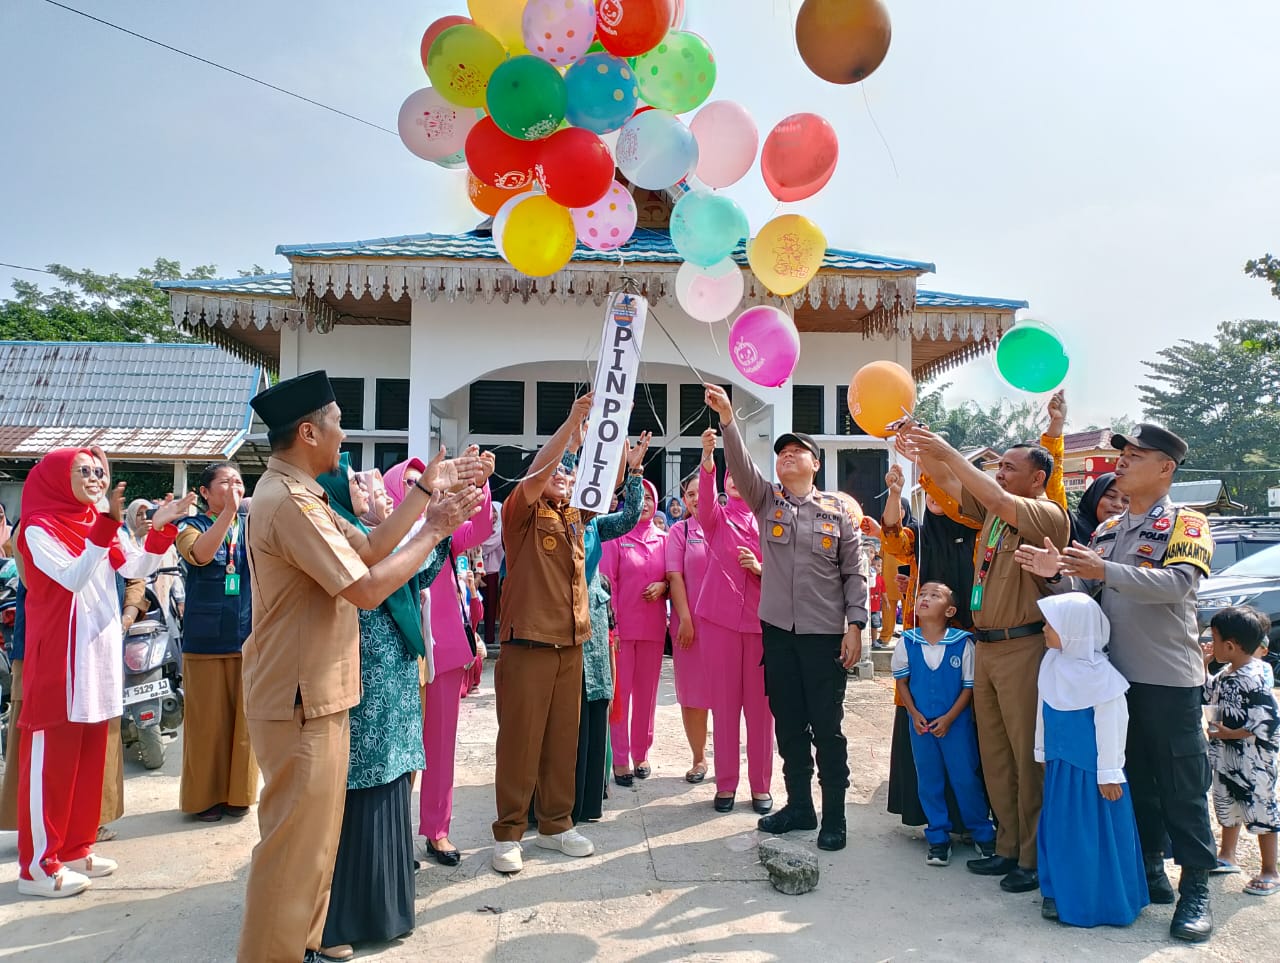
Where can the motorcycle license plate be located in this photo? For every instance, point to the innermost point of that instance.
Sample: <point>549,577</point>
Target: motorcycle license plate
<point>148,690</point>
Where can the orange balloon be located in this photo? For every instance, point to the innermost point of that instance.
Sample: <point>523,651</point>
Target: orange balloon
<point>878,394</point>
<point>843,41</point>
<point>486,198</point>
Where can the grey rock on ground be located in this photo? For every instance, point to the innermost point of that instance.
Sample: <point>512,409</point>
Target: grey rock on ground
<point>792,869</point>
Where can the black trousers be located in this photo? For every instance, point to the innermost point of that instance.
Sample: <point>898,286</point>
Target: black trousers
<point>1167,765</point>
<point>805,683</point>
<point>593,731</point>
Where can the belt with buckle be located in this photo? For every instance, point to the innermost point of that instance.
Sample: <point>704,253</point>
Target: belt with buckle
<point>1003,635</point>
<point>527,644</point>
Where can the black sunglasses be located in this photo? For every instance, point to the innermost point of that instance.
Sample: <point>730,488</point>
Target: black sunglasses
<point>87,472</point>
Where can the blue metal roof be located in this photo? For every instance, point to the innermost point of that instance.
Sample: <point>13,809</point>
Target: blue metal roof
<point>645,246</point>
<point>943,299</point>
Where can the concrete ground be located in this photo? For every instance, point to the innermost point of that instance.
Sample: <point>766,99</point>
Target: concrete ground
<point>671,880</point>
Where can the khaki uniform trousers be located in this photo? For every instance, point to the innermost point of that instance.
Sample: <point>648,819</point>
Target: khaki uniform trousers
<point>217,761</point>
<point>304,768</point>
<point>1005,687</point>
<point>113,776</point>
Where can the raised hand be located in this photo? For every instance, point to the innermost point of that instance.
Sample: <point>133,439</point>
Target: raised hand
<point>446,511</point>
<point>636,452</point>
<point>488,461</point>
<point>1045,562</point>
<point>171,509</point>
<point>708,444</point>
<point>115,503</point>
<point>717,399</point>
<point>925,444</point>
<point>895,480</point>
<point>581,408</point>
<point>1057,408</point>
<point>1083,562</point>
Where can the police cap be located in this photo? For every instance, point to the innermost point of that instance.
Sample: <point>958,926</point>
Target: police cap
<point>797,438</point>
<point>1152,438</point>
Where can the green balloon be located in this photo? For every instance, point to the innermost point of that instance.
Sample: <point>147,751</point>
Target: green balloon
<point>678,74</point>
<point>1031,358</point>
<point>527,98</point>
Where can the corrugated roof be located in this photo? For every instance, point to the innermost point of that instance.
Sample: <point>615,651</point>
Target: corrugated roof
<point>944,299</point>
<point>167,401</point>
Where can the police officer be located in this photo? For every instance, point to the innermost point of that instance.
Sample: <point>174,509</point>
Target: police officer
<point>813,608</point>
<point>1144,567</point>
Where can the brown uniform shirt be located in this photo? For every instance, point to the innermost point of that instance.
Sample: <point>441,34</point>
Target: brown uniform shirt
<point>306,638</point>
<point>1010,594</point>
<point>544,597</point>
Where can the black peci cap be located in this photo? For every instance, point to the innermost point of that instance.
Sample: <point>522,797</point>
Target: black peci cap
<point>1153,438</point>
<point>797,438</point>
<point>284,403</point>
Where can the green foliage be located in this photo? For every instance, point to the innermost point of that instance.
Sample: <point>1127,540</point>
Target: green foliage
<point>1221,397</point>
<point>1266,268</point>
<point>970,425</point>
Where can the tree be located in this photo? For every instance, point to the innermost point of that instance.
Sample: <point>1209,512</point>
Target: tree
<point>1265,268</point>
<point>969,425</point>
<point>87,306</point>
<point>1220,396</point>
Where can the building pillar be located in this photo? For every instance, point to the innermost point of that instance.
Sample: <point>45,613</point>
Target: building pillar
<point>179,479</point>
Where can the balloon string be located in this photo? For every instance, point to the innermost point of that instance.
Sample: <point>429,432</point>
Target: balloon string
<point>889,150</point>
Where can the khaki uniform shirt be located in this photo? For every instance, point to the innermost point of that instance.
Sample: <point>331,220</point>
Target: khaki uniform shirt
<point>813,575</point>
<point>1010,594</point>
<point>306,637</point>
<point>544,597</point>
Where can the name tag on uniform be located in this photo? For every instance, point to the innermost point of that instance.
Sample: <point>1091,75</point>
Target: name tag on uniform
<point>232,584</point>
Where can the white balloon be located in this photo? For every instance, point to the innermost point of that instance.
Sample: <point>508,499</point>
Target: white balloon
<point>710,294</point>
<point>656,149</point>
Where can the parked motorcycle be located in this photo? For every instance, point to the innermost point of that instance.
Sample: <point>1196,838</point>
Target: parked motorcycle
<point>153,698</point>
<point>8,612</point>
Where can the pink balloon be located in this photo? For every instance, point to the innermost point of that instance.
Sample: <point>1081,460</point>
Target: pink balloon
<point>677,14</point>
<point>727,142</point>
<point>765,346</point>
<point>709,294</point>
<point>559,31</point>
<point>609,223</point>
<point>433,128</point>
<point>799,157</point>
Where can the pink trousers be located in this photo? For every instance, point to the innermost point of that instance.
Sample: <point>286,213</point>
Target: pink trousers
<point>639,666</point>
<point>739,692</point>
<point>439,740</point>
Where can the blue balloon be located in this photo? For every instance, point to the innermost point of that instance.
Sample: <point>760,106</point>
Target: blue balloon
<point>602,93</point>
<point>656,150</point>
<point>706,227</point>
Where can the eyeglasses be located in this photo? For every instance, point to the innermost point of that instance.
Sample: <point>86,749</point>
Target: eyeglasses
<point>87,472</point>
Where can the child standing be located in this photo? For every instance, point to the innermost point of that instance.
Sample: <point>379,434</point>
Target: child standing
<point>934,671</point>
<point>876,600</point>
<point>1090,860</point>
<point>1242,743</point>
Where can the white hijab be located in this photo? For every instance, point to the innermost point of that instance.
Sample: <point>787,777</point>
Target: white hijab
<point>1079,676</point>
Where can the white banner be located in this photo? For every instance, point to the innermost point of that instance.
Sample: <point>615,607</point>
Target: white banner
<point>605,444</point>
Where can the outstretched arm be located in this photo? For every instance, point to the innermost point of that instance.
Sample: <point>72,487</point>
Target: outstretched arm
<point>535,480</point>
<point>753,486</point>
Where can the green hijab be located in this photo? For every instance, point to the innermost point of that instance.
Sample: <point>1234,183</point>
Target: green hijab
<point>402,604</point>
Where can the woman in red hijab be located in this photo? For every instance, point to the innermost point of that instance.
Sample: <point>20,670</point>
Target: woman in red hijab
<point>72,673</point>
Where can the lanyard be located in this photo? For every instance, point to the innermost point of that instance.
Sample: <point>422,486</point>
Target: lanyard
<point>994,538</point>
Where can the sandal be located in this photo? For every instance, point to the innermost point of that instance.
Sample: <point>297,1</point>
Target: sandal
<point>1262,887</point>
<point>696,774</point>
<point>1224,868</point>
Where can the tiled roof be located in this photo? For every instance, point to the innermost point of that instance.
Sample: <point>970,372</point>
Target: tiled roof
<point>1087,440</point>
<point>942,299</point>
<point>163,401</point>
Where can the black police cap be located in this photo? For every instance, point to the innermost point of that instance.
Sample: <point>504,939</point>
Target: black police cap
<point>284,403</point>
<point>1152,438</point>
<point>797,438</point>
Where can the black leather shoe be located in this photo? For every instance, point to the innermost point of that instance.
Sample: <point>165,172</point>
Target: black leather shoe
<point>1192,918</point>
<point>831,838</point>
<point>992,865</point>
<point>1049,909</point>
<point>445,857</point>
<point>762,806</point>
<point>1020,880</point>
<point>787,819</point>
<point>724,804</point>
<point>1158,886</point>
<point>625,780</point>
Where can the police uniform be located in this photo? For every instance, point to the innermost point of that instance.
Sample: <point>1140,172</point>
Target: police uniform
<point>813,587</point>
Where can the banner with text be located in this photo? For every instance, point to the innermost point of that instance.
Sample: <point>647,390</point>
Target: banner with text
<point>605,444</point>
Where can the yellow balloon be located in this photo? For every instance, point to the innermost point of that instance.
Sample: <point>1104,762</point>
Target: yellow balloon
<point>787,253</point>
<point>461,61</point>
<point>502,18</point>
<point>539,236</point>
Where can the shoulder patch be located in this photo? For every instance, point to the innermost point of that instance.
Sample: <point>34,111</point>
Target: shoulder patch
<point>1190,542</point>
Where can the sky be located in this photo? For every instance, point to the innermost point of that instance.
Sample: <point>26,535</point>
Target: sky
<point>1112,163</point>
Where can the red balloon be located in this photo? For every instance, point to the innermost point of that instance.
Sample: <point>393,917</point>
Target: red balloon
<point>629,28</point>
<point>437,28</point>
<point>500,160</point>
<point>576,168</point>
<point>799,157</point>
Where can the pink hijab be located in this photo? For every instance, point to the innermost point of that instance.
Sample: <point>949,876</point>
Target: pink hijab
<point>647,531</point>
<point>394,478</point>
<point>738,513</point>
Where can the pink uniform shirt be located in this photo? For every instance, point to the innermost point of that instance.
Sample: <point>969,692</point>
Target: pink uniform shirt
<point>631,564</point>
<point>730,595</point>
<point>687,555</point>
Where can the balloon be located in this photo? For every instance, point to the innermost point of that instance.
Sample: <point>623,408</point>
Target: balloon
<point>460,63</point>
<point>799,157</point>
<point>559,31</point>
<point>629,28</point>
<point>502,18</point>
<point>878,393</point>
<point>576,168</point>
<point>709,294</point>
<point>438,27</point>
<point>706,227</point>
<point>678,74</point>
<point>486,198</point>
<point>497,159</point>
<point>765,346</point>
<point>1030,357</point>
<point>787,253</point>
<point>609,223</point>
<point>453,162</point>
<point>602,93</point>
<point>727,142</point>
<point>538,236</point>
<point>656,150</point>
<point>433,128</point>
<point>500,220</point>
<point>843,41</point>
<point>677,14</point>
<point>527,98</point>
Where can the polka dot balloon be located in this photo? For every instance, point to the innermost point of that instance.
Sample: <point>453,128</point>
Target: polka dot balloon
<point>609,223</point>
<point>678,74</point>
<point>559,31</point>
<point>602,93</point>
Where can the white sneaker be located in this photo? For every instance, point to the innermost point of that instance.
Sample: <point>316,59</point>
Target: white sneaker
<point>65,882</point>
<point>570,842</point>
<point>508,857</point>
<point>93,866</point>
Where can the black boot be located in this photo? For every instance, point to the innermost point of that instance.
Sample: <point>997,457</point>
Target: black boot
<point>1158,885</point>
<point>798,813</point>
<point>832,834</point>
<point>1192,919</point>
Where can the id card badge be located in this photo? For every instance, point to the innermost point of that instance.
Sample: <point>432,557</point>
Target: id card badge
<point>232,585</point>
